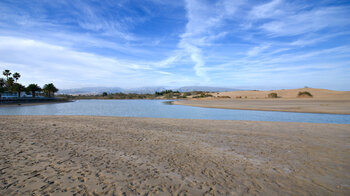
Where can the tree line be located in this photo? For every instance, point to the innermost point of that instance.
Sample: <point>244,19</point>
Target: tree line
<point>10,84</point>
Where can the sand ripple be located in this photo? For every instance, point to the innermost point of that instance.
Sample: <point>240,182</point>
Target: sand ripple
<point>67,155</point>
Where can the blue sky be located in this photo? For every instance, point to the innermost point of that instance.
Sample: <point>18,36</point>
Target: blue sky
<point>137,43</point>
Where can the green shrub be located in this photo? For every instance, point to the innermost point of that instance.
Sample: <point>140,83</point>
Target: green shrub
<point>304,94</point>
<point>187,94</point>
<point>169,95</point>
<point>202,95</point>
<point>197,92</point>
<point>224,96</point>
<point>272,95</point>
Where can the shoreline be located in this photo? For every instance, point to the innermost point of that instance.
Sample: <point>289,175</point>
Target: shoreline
<point>319,106</point>
<point>34,103</point>
<point>130,155</point>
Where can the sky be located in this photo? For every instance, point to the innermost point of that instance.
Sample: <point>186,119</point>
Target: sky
<point>253,44</point>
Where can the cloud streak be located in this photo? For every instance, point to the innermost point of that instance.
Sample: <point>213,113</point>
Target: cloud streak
<point>202,29</point>
<point>173,43</point>
<point>33,57</point>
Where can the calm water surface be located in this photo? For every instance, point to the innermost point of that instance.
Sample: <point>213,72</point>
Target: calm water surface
<point>157,109</point>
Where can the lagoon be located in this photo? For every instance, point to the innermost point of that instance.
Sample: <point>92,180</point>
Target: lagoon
<point>159,109</point>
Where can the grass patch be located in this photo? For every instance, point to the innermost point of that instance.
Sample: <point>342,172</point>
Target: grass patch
<point>272,95</point>
<point>202,95</point>
<point>304,94</point>
<point>224,97</point>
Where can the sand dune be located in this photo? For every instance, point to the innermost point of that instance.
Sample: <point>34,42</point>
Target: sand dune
<point>286,105</point>
<point>66,155</point>
<point>323,101</point>
<point>288,94</point>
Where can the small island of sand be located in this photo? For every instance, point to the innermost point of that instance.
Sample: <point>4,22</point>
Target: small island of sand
<point>321,101</point>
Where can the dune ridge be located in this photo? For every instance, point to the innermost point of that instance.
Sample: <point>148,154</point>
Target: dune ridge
<point>288,94</point>
<point>322,101</point>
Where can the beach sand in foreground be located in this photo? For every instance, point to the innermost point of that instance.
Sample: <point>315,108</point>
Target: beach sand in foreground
<point>66,155</point>
<point>285,105</point>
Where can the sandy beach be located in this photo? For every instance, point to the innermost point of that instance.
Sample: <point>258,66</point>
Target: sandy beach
<point>84,155</point>
<point>317,94</point>
<point>322,101</point>
<point>285,105</point>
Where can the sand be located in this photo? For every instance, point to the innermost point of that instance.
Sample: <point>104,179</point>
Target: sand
<point>322,101</point>
<point>292,105</point>
<point>317,94</point>
<point>84,155</point>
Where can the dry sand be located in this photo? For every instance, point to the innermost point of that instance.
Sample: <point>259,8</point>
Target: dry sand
<point>304,105</point>
<point>66,155</point>
<point>323,101</point>
<point>318,94</point>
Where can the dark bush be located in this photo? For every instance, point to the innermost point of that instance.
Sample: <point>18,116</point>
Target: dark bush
<point>187,94</point>
<point>224,96</point>
<point>169,95</point>
<point>272,95</point>
<point>304,94</point>
<point>203,95</point>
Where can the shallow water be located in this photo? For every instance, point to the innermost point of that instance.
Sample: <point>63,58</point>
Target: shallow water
<point>158,109</point>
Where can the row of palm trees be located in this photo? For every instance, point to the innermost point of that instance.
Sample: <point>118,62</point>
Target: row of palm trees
<point>10,84</point>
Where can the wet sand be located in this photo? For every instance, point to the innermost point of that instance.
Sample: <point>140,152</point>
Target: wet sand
<point>33,103</point>
<point>285,105</point>
<point>66,155</point>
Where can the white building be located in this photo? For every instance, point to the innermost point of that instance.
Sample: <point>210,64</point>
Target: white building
<point>12,95</point>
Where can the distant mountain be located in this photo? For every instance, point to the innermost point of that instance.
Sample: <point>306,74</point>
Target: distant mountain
<point>91,90</point>
<point>145,90</point>
<point>100,90</point>
<point>205,88</point>
<point>142,90</point>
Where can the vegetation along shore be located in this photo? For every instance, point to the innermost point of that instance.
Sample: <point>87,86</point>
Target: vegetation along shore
<point>13,92</point>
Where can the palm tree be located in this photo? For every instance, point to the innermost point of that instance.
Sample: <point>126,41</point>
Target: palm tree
<point>18,88</point>
<point>33,88</point>
<point>6,73</point>
<point>9,82</point>
<point>2,82</point>
<point>2,85</point>
<point>50,88</point>
<point>16,76</point>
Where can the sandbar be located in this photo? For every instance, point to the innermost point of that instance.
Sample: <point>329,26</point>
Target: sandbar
<point>285,105</point>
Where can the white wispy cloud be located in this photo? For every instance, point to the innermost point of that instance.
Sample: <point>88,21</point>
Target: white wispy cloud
<point>81,13</point>
<point>169,61</point>
<point>257,50</point>
<point>42,62</point>
<point>266,10</point>
<point>294,20</point>
<point>198,42</point>
<point>96,19</point>
<point>203,19</point>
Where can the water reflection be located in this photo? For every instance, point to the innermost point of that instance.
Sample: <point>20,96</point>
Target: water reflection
<point>159,109</point>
